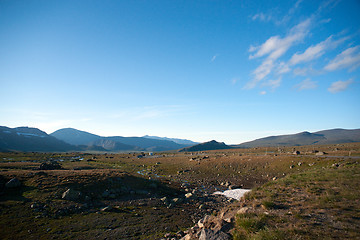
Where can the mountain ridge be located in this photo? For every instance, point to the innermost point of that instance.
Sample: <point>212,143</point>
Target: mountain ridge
<point>115,143</point>
<point>330,136</point>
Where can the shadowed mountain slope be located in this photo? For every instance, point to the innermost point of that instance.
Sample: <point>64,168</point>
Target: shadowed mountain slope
<point>116,143</point>
<point>333,136</point>
<point>31,139</point>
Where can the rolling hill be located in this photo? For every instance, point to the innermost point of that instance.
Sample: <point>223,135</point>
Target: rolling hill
<point>332,136</point>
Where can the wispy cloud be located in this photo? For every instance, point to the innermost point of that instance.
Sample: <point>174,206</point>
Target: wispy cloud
<point>340,86</point>
<point>349,58</point>
<point>214,57</point>
<point>274,16</point>
<point>262,93</point>
<point>273,83</point>
<point>306,85</point>
<point>316,51</point>
<point>262,17</point>
<point>274,48</point>
<point>234,80</point>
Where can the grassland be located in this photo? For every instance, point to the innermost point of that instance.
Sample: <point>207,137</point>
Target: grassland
<point>305,196</point>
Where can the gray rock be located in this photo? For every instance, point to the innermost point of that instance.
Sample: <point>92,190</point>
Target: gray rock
<point>50,166</point>
<point>188,195</point>
<point>207,234</point>
<point>13,183</point>
<point>71,195</point>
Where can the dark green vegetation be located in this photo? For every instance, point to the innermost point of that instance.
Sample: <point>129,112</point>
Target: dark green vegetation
<point>321,202</point>
<point>139,196</point>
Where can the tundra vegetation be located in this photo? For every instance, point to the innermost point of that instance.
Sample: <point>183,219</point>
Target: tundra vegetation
<point>311,194</point>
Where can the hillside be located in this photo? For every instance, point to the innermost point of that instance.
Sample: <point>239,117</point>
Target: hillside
<point>333,136</point>
<point>31,139</point>
<point>211,145</point>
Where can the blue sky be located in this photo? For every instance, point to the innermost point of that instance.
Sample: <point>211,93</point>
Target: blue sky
<point>232,71</point>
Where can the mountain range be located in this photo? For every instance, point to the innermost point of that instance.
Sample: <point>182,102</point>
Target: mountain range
<point>333,136</point>
<point>69,139</point>
<point>116,143</point>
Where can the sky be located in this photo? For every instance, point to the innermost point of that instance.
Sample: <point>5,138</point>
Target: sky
<point>232,71</point>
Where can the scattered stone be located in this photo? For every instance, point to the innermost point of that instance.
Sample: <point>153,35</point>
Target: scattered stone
<point>243,210</point>
<point>299,163</point>
<point>201,222</point>
<point>274,178</point>
<point>296,152</point>
<point>320,153</point>
<point>207,234</point>
<point>13,183</point>
<point>188,195</point>
<point>176,200</point>
<point>106,209</point>
<point>71,195</point>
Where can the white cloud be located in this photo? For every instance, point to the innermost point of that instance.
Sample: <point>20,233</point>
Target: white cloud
<point>274,48</point>
<point>262,93</point>
<point>260,72</point>
<point>340,86</point>
<point>305,71</point>
<point>315,51</point>
<point>283,68</point>
<point>306,84</point>
<point>349,58</point>
<point>273,83</point>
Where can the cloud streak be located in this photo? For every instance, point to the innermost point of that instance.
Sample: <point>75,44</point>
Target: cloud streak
<point>340,86</point>
<point>306,85</point>
<point>316,51</point>
<point>349,58</point>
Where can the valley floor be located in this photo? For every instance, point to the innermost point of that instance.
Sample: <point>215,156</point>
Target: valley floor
<point>121,196</point>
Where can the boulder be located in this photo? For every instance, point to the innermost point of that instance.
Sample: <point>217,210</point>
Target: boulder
<point>50,166</point>
<point>188,195</point>
<point>13,183</point>
<point>71,195</point>
<point>207,234</point>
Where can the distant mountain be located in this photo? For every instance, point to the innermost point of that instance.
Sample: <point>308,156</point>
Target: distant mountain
<point>113,145</point>
<point>176,140</point>
<point>212,145</point>
<point>333,136</point>
<point>116,143</point>
<point>74,136</point>
<point>31,140</point>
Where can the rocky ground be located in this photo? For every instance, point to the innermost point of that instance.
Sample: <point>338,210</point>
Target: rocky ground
<point>164,196</point>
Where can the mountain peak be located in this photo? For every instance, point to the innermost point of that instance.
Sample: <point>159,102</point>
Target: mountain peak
<point>211,145</point>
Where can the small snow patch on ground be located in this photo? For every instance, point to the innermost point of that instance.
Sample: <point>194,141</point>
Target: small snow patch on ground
<point>234,193</point>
